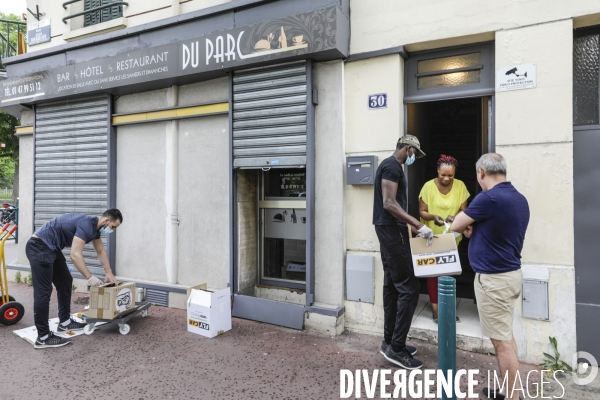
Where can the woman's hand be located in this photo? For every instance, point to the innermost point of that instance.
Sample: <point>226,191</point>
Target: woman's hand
<point>450,219</point>
<point>439,221</point>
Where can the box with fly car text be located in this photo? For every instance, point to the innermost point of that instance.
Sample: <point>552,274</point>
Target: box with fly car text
<point>438,259</point>
<point>208,313</point>
<point>111,301</point>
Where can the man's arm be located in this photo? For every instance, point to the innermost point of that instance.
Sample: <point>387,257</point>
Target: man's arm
<point>77,257</point>
<point>462,208</point>
<point>389,191</point>
<point>103,258</point>
<point>461,222</point>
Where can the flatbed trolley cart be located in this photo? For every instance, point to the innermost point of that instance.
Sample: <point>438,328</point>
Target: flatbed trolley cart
<point>11,311</point>
<point>122,322</point>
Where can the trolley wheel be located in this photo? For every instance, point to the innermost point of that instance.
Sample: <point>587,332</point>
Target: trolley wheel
<point>11,313</point>
<point>10,298</point>
<point>124,329</point>
<point>144,313</point>
<point>88,329</point>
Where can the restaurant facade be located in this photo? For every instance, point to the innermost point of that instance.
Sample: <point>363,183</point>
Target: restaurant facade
<point>239,139</point>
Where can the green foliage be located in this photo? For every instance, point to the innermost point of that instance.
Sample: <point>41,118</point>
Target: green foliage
<point>7,130</point>
<point>28,279</point>
<point>18,277</point>
<point>554,363</point>
<point>9,155</point>
<point>73,288</point>
<point>10,31</point>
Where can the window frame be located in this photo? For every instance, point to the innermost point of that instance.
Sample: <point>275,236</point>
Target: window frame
<point>485,87</point>
<point>576,33</point>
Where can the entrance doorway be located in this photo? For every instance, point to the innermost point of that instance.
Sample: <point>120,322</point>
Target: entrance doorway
<point>459,128</point>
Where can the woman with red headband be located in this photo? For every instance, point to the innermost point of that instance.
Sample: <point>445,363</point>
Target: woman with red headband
<point>439,201</point>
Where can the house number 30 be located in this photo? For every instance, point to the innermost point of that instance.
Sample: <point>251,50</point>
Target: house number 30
<point>378,100</point>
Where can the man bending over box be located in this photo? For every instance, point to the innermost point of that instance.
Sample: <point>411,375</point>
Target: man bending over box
<point>49,266</point>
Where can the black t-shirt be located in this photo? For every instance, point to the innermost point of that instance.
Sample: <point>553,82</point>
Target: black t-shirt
<point>389,169</point>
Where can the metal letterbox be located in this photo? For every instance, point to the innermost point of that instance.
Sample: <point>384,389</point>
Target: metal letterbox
<point>360,278</point>
<point>360,170</point>
<point>535,299</point>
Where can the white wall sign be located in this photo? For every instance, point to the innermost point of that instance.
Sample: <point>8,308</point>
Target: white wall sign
<point>38,32</point>
<point>516,77</point>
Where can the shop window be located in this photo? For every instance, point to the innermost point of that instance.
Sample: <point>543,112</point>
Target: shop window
<point>449,71</point>
<point>103,15</point>
<point>466,71</point>
<point>586,77</point>
<point>283,225</point>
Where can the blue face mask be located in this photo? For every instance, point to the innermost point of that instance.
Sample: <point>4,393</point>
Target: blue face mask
<point>410,160</point>
<point>105,230</point>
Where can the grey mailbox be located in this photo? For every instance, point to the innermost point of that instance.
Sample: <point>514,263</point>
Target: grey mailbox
<point>360,170</point>
<point>360,278</point>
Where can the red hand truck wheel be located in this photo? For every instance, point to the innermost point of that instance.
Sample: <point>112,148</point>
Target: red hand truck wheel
<point>11,313</point>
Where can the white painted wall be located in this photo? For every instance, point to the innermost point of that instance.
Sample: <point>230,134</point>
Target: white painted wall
<point>428,24</point>
<point>26,160</point>
<point>143,190</point>
<point>534,131</point>
<point>370,132</point>
<point>137,13</point>
<point>203,201</point>
<point>141,183</point>
<point>328,78</point>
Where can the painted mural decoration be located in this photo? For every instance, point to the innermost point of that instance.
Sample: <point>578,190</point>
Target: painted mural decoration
<point>302,34</point>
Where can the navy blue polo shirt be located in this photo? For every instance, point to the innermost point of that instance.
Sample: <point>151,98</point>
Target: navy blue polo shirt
<point>58,233</point>
<point>501,217</point>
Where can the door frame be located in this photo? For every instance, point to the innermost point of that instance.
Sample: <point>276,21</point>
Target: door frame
<point>258,309</point>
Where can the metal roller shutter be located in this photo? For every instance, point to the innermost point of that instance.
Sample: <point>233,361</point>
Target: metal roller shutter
<point>269,117</point>
<point>71,160</point>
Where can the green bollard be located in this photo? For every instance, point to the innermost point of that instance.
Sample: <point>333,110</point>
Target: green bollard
<point>447,329</point>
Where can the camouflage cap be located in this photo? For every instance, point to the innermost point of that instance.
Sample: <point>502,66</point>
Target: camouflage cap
<point>414,142</point>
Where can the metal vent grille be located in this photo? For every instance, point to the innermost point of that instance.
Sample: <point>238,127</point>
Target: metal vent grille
<point>71,163</point>
<point>269,117</point>
<point>158,297</point>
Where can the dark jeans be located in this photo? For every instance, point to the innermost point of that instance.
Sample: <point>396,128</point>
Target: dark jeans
<point>400,286</point>
<point>48,267</point>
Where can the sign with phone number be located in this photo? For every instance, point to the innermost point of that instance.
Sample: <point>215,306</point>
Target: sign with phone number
<point>377,101</point>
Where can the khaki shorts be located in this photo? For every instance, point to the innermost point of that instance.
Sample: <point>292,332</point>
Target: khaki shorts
<point>496,295</point>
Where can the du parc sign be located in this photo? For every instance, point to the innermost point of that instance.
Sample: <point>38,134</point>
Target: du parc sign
<point>287,38</point>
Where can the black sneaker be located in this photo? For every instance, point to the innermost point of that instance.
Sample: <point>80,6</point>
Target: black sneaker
<point>51,341</point>
<point>73,326</point>
<point>412,350</point>
<point>402,358</point>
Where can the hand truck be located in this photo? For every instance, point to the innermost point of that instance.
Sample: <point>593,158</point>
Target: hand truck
<point>11,311</point>
<point>122,322</point>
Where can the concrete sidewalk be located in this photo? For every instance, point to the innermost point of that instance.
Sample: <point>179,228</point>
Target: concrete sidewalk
<point>159,359</point>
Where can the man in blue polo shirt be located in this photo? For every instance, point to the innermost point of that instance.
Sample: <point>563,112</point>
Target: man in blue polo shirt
<point>496,221</point>
<point>49,266</point>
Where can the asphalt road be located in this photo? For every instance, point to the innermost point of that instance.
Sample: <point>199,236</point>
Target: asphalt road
<point>159,359</point>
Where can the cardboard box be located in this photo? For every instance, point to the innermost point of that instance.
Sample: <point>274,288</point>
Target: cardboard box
<point>208,313</point>
<point>438,259</point>
<point>110,301</point>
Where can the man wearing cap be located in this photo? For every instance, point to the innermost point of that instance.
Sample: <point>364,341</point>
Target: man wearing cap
<point>400,286</point>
